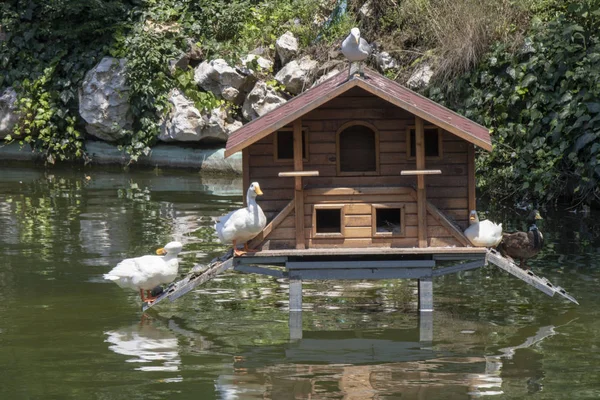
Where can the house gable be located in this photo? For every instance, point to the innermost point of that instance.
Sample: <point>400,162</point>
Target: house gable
<point>373,83</point>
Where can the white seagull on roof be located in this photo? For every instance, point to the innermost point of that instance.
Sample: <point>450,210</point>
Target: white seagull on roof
<point>355,49</point>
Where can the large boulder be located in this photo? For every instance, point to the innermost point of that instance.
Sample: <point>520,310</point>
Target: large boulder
<point>8,112</point>
<point>104,100</point>
<point>218,77</point>
<point>297,76</point>
<point>420,77</point>
<point>286,47</point>
<point>186,123</point>
<point>261,99</point>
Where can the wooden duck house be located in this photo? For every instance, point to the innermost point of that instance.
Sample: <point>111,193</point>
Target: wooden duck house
<point>362,164</point>
<point>362,179</point>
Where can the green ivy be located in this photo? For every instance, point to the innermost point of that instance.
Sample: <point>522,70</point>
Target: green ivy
<point>44,125</point>
<point>48,48</point>
<point>203,101</point>
<point>148,51</point>
<point>542,106</point>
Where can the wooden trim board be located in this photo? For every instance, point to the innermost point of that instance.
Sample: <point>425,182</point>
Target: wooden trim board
<point>258,239</point>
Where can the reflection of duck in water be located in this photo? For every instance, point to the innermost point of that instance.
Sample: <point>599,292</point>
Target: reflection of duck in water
<point>154,347</point>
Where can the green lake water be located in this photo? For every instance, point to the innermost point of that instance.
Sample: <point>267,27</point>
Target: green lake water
<point>65,333</point>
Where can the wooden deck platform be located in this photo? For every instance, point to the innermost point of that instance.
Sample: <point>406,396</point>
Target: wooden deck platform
<point>434,252</point>
<point>297,265</point>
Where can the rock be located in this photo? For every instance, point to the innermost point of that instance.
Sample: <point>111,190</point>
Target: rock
<point>260,101</point>
<point>328,69</point>
<point>104,100</point>
<point>186,123</point>
<point>219,126</point>
<point>193,54</point>
<point>297,75</point>
<point>259,51</point>
<point>528,46</point>
<point>366,11</point>
<point>230,94</point>
<point>8,112</point>
<point>334,53</point>
<point>326,76</point>
<point>286,47</point>
<point>330,65</point>
<point>182,62</point>
<point>385,61</point>
<point>251,61</point>
<point>420,78</point>
<point>217,76</point>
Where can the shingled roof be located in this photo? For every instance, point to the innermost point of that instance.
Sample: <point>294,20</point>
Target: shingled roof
<point>375,84</point>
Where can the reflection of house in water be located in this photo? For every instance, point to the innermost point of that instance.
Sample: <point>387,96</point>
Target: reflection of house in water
<point>371,365</point>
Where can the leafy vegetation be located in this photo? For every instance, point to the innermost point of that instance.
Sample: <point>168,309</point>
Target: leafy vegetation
<point>47,50</point>
<point>50,46</point>
<point>525,68</point>
<point>542,106</point>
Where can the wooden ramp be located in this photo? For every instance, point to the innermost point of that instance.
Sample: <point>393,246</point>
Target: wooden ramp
<point>197,276</point>
<point>529,277</point>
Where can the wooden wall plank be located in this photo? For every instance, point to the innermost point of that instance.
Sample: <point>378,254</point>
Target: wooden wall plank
<point>376,198</point>
<point>245,172</point>
<point>298,192</point>
<point>362,243</point>
<point>273,225</point>
<point>444,242</point>
<point>471,177</point>
<point>421,191</point>
<point>358,190</point>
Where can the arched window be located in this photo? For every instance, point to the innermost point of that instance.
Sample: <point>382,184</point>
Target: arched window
<point>358,149</point>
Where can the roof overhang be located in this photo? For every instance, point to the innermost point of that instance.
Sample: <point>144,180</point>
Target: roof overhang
<point>373,83</point>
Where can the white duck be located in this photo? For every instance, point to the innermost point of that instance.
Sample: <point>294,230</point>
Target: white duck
<point>483,234</point>
<point>244,224</point>
<point>147,272</point>
<point>355,49</point>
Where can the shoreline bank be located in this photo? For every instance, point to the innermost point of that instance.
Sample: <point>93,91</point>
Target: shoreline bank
<point>162,156</point>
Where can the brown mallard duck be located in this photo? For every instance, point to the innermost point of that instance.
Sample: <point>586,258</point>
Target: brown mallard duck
<point>523,245</point>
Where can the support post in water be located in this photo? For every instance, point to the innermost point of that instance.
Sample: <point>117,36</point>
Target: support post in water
<point>426,294</point>
<point>295,323</point>
<point>295,294</point>
<point>426,327</point>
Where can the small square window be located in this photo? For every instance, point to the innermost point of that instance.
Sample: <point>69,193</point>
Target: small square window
<point>433,142</point>
<point>328,220</point>
<point>388,220</point>
<point>284,145</point>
